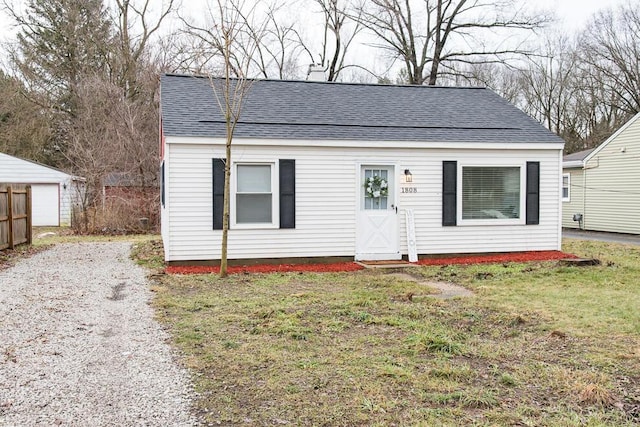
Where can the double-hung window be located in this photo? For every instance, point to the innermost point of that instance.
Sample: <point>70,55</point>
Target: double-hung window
<point>566,185</point>
<point>255,186</point>
<point>263,194</point>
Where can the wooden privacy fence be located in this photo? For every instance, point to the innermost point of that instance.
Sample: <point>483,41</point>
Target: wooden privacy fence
<point>15,215</point>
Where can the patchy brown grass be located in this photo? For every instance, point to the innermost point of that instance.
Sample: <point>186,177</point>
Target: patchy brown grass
<point>350,349</point>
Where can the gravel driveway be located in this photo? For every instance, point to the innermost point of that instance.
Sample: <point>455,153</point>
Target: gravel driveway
<point>79,346</point>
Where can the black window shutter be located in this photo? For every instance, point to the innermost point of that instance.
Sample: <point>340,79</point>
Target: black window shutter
<point>287,193</point>
<point>449,189</point>
<point>533,192</point>
<point>218,192</point>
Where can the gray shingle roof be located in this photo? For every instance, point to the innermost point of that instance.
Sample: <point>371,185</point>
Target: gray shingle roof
<point>280,109</point>
<point>578,156</point>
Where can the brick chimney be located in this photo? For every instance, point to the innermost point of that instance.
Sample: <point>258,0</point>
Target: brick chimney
<point>316,73</point>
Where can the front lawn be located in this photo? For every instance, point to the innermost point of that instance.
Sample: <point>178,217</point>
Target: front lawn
<point>538,344</point>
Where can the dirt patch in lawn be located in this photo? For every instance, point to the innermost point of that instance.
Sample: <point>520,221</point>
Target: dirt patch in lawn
<point>445,290</point>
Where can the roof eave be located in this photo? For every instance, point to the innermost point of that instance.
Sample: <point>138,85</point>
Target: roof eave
<point>326,142</point>
<point>573,164</point>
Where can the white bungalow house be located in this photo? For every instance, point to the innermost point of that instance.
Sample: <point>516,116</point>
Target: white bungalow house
<point>355,171</point>
<point>601,186</point>
<point>52,191</point>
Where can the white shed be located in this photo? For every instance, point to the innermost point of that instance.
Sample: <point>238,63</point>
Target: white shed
<point>52,190</point>
<point>323,170</point>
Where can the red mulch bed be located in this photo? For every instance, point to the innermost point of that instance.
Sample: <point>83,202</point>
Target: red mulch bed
<point>498,258</point>
<point>352,266</point>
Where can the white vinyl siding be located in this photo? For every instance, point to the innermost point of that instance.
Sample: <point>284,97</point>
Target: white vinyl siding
<point>327,198</point>
<point>576,203</point>
<point>612,184</point>
<point>47,210</point>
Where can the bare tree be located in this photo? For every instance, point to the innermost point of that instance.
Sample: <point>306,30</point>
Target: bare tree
<point>502,79</point>
<point>186,53</point>
<point>226,41</point>
<point>597,109</point>
<point>548,85</point>
<point>341,26</point>
<point>88,76</point>
<point>25,130</point>
<point>113,134</point>
<point>136,27</point>
<point>610,48</point>
<point>554,89</point>
<point>276,44</point>
<point>60,41</point>
<point>430,36</point>
<point>234,34</point>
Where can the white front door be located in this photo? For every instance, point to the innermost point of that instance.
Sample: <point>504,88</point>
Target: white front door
<point>377,227</point>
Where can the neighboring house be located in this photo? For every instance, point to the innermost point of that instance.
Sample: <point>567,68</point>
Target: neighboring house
<point>601,186</point>
<point>128,187</point>
<point>53,192</point>
<point>127,195</point>
<point>478,174</point>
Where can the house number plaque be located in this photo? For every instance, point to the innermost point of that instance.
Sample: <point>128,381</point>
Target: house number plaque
<point>408,190</point>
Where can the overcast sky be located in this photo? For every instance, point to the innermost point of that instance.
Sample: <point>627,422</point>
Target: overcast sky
<point>575,13</point>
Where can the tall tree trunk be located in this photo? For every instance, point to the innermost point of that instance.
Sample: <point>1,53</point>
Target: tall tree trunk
<point>230,124</point>
<point>226,205</point>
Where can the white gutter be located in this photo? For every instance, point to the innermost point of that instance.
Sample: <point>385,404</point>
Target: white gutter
<point>571,164</point>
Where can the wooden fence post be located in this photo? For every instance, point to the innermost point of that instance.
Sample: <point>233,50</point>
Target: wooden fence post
<point>16,213</point>
<point>29,219</point>
<point>10,212</point>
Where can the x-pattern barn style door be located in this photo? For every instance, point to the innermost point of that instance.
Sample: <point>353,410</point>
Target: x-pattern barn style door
<point>377,235</point>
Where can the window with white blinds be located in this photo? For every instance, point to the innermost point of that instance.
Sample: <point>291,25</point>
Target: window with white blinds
<point>490,192</point>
